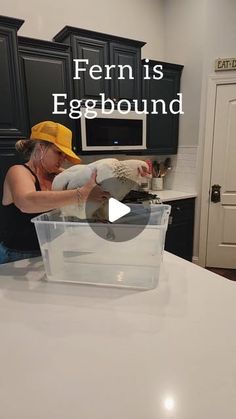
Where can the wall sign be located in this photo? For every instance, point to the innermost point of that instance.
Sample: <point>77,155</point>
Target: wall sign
<point>222,64</point>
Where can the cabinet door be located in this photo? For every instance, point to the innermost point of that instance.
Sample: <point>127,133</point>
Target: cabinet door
<point>162,128</point>
<point>96,52</point>
<point>179,241</point>
<point>45,71</point>
<point>129,87</point>
<point>12,117</point>
<point>8,157</point>
<point>179,236</point>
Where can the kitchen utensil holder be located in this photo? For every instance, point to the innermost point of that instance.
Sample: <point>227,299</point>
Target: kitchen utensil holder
<point>157,183</point>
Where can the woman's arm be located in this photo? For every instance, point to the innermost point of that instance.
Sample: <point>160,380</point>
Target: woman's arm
<point>28,200</point>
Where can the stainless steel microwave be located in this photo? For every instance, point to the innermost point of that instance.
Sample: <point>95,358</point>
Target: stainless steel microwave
<point>114,132</point>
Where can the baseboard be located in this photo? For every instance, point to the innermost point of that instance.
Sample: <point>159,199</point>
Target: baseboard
<point>195,260</point>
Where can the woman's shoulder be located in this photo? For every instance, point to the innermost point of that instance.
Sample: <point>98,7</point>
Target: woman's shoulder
<point>18,170</point>
<point>15,175</point>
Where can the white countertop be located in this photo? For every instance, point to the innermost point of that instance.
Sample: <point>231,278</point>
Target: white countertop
<point>72,351</point>
<point>171,195</point>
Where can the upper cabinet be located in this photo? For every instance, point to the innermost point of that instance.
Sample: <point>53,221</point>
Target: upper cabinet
<point>95,52</point>
<point>126,86</point>
<point>46,69</point>
<point>81,64</point>
<point>12,117</point>
<point>162,128</point>
<point>104,50</point>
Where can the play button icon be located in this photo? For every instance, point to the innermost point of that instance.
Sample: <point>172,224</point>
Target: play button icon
<point>114,220</point>
<point>116,210</point>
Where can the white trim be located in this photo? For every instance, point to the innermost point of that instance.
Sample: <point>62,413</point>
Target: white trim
<point>214,82</point>
<point>195,260</point>
<point>188,146</point>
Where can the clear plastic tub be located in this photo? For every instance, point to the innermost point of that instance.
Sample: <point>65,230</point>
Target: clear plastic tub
<point>73,252</point>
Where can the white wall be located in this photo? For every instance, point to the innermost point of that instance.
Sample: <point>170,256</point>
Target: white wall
<point>184,38</point>
<point>137,19</point>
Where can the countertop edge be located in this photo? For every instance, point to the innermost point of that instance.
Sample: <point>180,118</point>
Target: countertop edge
<point>172,195</point>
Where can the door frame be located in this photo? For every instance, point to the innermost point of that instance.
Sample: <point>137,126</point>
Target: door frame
<point>213,82</point>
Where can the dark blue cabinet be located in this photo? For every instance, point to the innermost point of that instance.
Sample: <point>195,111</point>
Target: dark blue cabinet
<point>104,49</point>
<point>46,69</point>
<point>12,116</point>
<point>162,128</point>
<point>179,236</point>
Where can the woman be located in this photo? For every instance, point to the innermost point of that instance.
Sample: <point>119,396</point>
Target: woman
<point>27,188</point>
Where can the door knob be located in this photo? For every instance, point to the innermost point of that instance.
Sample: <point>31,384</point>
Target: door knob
<point>215,193</point>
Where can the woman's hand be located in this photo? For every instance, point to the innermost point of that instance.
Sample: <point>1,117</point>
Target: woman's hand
<point>92,191</point>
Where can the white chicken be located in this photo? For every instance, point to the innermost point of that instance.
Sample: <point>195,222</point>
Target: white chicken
<point>114,176</point>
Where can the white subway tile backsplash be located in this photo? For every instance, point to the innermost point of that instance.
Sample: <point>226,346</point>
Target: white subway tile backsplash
<point>182,177</point>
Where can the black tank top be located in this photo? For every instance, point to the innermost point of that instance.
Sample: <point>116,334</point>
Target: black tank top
<point>19,233</point>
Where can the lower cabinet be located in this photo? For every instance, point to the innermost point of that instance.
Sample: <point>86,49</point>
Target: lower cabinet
<point>8,157</point>
<point>179,236</point>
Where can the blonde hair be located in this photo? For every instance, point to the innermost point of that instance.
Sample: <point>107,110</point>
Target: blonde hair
<point>27,147</point>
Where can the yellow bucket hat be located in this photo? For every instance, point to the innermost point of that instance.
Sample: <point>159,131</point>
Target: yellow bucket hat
<point>57,134</point>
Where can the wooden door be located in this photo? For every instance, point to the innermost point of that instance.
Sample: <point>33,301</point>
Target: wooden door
<point>221,238</point>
